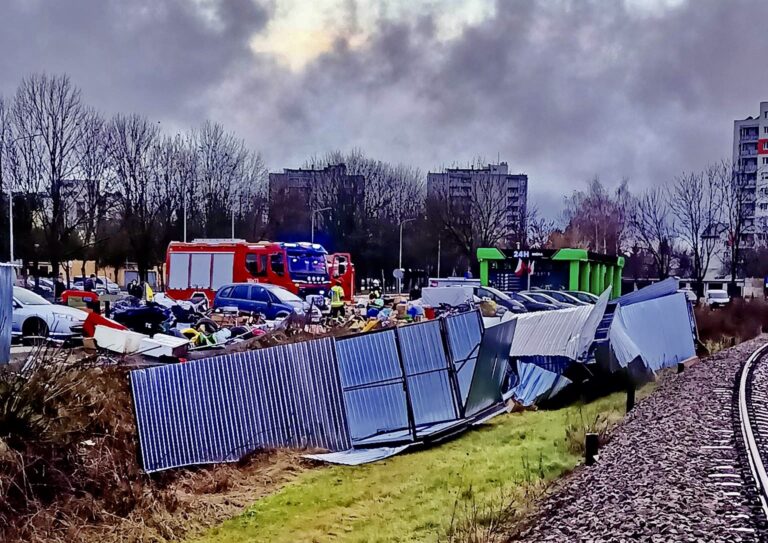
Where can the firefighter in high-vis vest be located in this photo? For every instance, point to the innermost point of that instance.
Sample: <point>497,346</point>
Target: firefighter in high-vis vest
<point>337,301</point>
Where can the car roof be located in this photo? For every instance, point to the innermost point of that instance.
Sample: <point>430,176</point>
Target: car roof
<point>268,286</point>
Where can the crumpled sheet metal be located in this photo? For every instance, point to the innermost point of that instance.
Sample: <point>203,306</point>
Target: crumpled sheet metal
<point>658,331</point>
<point>535,384</point>
<point>564,332</point>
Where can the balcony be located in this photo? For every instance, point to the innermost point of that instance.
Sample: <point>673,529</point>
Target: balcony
<point>748,137</point>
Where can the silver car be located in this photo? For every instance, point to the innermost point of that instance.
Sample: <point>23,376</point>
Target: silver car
<point>36,317</point>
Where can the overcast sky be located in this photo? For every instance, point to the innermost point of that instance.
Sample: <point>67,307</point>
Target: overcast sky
<point>562,90</point>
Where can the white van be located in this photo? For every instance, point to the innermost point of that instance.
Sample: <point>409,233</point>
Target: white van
<point>716,298</point>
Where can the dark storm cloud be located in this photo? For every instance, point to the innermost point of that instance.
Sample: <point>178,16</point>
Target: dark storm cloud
<point>149,56</point>
<point>563,90</point>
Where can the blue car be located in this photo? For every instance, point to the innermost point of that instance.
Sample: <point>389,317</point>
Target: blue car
<point>271,301</point>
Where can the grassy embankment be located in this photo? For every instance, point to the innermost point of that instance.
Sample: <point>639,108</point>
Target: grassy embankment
<point>427,495</point>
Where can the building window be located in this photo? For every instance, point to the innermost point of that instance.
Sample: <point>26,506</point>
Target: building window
<point>765,130</point>
<point>765,160</point>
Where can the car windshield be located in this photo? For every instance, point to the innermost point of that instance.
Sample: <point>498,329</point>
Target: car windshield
<point>583,296</point>
<point>285,296</point>
<point>718,295</point>
<point>307,262</point>
<point>27,297</point>
<point>560,297</point>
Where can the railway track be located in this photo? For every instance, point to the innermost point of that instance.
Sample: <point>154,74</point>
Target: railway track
<point>752,402</point>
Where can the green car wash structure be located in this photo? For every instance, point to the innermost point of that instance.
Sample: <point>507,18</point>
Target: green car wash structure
<point>558,269</point>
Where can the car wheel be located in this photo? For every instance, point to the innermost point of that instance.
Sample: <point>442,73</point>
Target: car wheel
<point>34,331</point>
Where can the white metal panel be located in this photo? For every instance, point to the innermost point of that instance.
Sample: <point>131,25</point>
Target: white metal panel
<point>179,271</point>
<point>223,266</point>
<point>200,270</point>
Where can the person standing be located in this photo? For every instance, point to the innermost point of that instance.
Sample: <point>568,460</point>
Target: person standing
<point>59,287</point>
<point>90,284</point>
<point>337,301</point>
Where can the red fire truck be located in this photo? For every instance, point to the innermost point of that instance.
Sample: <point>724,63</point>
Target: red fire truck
<point>204,265</point>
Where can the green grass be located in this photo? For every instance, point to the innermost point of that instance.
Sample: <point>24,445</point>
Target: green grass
<point>411,497</point>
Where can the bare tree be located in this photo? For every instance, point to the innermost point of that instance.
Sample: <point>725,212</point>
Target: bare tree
<point>130,143</point>
<point>476,220</point>
<point>94,175</point>
<point>653,228</point>
<point>596,218</point>
<point>221,162</point>
<point>538,229</point>
<point>695,200</point>
<point>737,207</point>
<point>48,122</point>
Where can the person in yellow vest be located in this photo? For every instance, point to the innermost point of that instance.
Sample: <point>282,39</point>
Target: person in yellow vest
<point>337,301</point>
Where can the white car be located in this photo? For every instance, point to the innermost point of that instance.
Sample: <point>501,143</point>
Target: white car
<point>36,317</point>
<point>102,285</point>
<point>717,298</point>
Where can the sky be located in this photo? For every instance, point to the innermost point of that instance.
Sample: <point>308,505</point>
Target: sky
<point>563,90</point>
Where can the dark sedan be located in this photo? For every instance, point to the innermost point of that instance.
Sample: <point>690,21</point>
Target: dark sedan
<point>531,304</point>
<point>501,298</point>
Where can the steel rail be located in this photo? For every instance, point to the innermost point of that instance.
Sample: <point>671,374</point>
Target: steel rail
<point>756,464</point>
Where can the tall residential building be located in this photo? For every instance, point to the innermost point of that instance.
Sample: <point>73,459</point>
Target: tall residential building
<point>295,194</point>
<point>750,162</point>
<point>492,185</point>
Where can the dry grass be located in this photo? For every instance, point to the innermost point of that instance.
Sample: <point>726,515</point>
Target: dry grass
<point>740,320</point>
<point>69,469</point>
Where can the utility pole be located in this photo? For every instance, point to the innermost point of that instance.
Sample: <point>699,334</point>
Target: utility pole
<point>438,256</point>
<point>400,259</point>
<point>185,214</point>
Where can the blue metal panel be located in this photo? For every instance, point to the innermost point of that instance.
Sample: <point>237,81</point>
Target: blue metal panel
<point>656,330</point>
<point>426,368</point>
<point>463,334</point>
<point>372,382</point>
<point>491,368</point>
<point>7,274</point>
<point>535,384</point>
<point>218,409</point>
<point>651,292</point>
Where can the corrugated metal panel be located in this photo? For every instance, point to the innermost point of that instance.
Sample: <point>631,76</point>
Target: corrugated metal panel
<point>218,409</point>
<point>655,290</point>
<point>491,368</point>
<point>565,332</point>
<point>372,383</point>
<point>426,368</point>
<point>536,384</point>
<point>356,457</point>
<point>7,274</point>
<point>463,333</point>
<point>657,330</point>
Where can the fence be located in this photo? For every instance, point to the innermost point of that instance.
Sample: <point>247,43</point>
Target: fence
<point>389,387</point>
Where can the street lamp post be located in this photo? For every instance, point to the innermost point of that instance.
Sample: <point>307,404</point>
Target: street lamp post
<point>314,212</point>
<point>400,258</point>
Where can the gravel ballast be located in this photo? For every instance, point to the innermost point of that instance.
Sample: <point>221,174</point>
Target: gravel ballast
<point>673,470</point>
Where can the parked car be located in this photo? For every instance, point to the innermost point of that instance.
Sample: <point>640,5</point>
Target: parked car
<point>270,300</point>
<point>500,298</point>
<point>545,298</point>
<point>103,285</point>
<point>530,304</point>
<point>583,296</point>
<point>717,298</point>
<point>44,287</point>
<point>36,317</point>
<point>563,297</point>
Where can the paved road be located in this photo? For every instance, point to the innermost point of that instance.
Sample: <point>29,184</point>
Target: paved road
<point>674,470</point>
